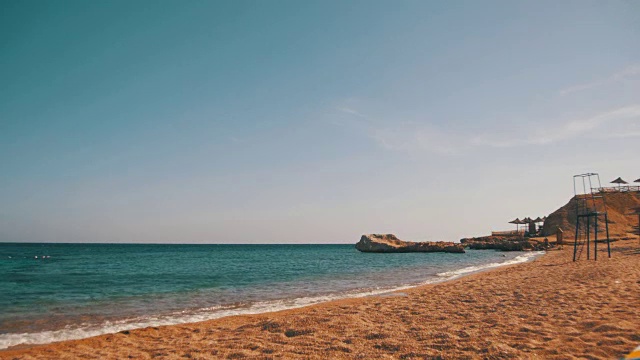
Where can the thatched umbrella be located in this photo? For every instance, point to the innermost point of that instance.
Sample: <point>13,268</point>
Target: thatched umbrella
<point>516,221</point>
<point>619,181</point>
<point>637,180</point>
<point>530,223</point>
<point>536,221</point>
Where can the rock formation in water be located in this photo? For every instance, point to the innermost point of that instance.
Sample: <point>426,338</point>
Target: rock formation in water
<point>389,243</point>
<point>503,243</point>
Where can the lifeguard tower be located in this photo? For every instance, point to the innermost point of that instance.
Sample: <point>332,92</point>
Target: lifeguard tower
<point>591,209</point>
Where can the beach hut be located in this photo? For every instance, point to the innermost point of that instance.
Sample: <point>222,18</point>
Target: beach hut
<point>619,181</point>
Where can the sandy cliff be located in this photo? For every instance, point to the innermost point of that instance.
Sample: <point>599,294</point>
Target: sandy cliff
<point>620,206</point>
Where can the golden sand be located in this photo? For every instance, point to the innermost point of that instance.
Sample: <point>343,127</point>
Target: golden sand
<point>548,308</point>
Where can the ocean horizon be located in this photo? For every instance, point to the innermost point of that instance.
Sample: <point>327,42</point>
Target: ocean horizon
<point>60,291</point>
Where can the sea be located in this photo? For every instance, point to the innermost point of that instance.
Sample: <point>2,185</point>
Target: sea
<point>53,292</point>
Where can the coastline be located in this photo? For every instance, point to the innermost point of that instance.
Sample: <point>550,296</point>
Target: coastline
<point>549,307</point>
<point>23,340</point>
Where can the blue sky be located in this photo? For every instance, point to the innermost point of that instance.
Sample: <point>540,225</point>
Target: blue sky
<point>307,121</point>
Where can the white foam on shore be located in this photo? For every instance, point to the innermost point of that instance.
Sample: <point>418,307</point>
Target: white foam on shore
<point>110,327</point>
<point>471,269</point>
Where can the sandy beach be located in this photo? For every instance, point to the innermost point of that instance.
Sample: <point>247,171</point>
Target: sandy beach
<point>548,308</point>
<point>223,179</point>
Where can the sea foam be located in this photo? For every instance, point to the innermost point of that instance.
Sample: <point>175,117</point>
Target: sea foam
<point>470,269</point>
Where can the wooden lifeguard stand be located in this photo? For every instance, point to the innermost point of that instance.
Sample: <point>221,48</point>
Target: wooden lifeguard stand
<point>591,207</point>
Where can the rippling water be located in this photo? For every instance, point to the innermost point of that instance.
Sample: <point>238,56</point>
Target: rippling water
<point>51,292</point>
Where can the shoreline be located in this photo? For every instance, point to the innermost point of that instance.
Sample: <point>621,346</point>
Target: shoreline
<point>46,337</point>
<point>549,308</point>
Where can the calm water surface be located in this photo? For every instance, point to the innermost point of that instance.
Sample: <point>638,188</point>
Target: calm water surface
<point>51,292</point>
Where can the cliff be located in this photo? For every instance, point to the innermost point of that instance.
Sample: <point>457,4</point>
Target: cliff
<point>623,222</point>
<point>389,243</point>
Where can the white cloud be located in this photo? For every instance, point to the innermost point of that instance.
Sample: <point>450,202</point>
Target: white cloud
<point>577,88</point>
<point>616,123</point>
<point>624,74</point>
<point>351,111</point>
<point>633,70</point>
<point>623,122</point>
<point>414,137</point>
<point>405,135</point>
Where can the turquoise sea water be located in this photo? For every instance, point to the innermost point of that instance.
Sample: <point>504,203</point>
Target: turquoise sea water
<point>51,292</point>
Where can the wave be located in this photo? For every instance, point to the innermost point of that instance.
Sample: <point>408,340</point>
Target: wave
<point>109,327</point>
<point>516,260</point>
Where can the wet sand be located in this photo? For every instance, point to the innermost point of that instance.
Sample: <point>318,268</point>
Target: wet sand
<point>548,308</point>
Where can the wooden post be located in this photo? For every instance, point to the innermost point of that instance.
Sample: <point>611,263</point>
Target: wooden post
<point>606,226</point>
<point>575,242</point>
<point>559,237</point>
<point>595,240</point>
<point>588,238</point>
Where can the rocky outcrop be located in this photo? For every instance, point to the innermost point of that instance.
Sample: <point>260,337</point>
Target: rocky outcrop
<point>502,243</point>
<point>389,243</point>
<point>620,211</point>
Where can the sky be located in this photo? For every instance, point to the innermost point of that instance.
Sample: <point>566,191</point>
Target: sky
<point>307,121</point>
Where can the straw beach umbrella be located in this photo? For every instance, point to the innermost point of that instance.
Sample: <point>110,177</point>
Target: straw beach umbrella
<point>537,221</point>
<point>516,221</point>
<point>528,221</point>
<point>638,181</point>
<point>619,181</point>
